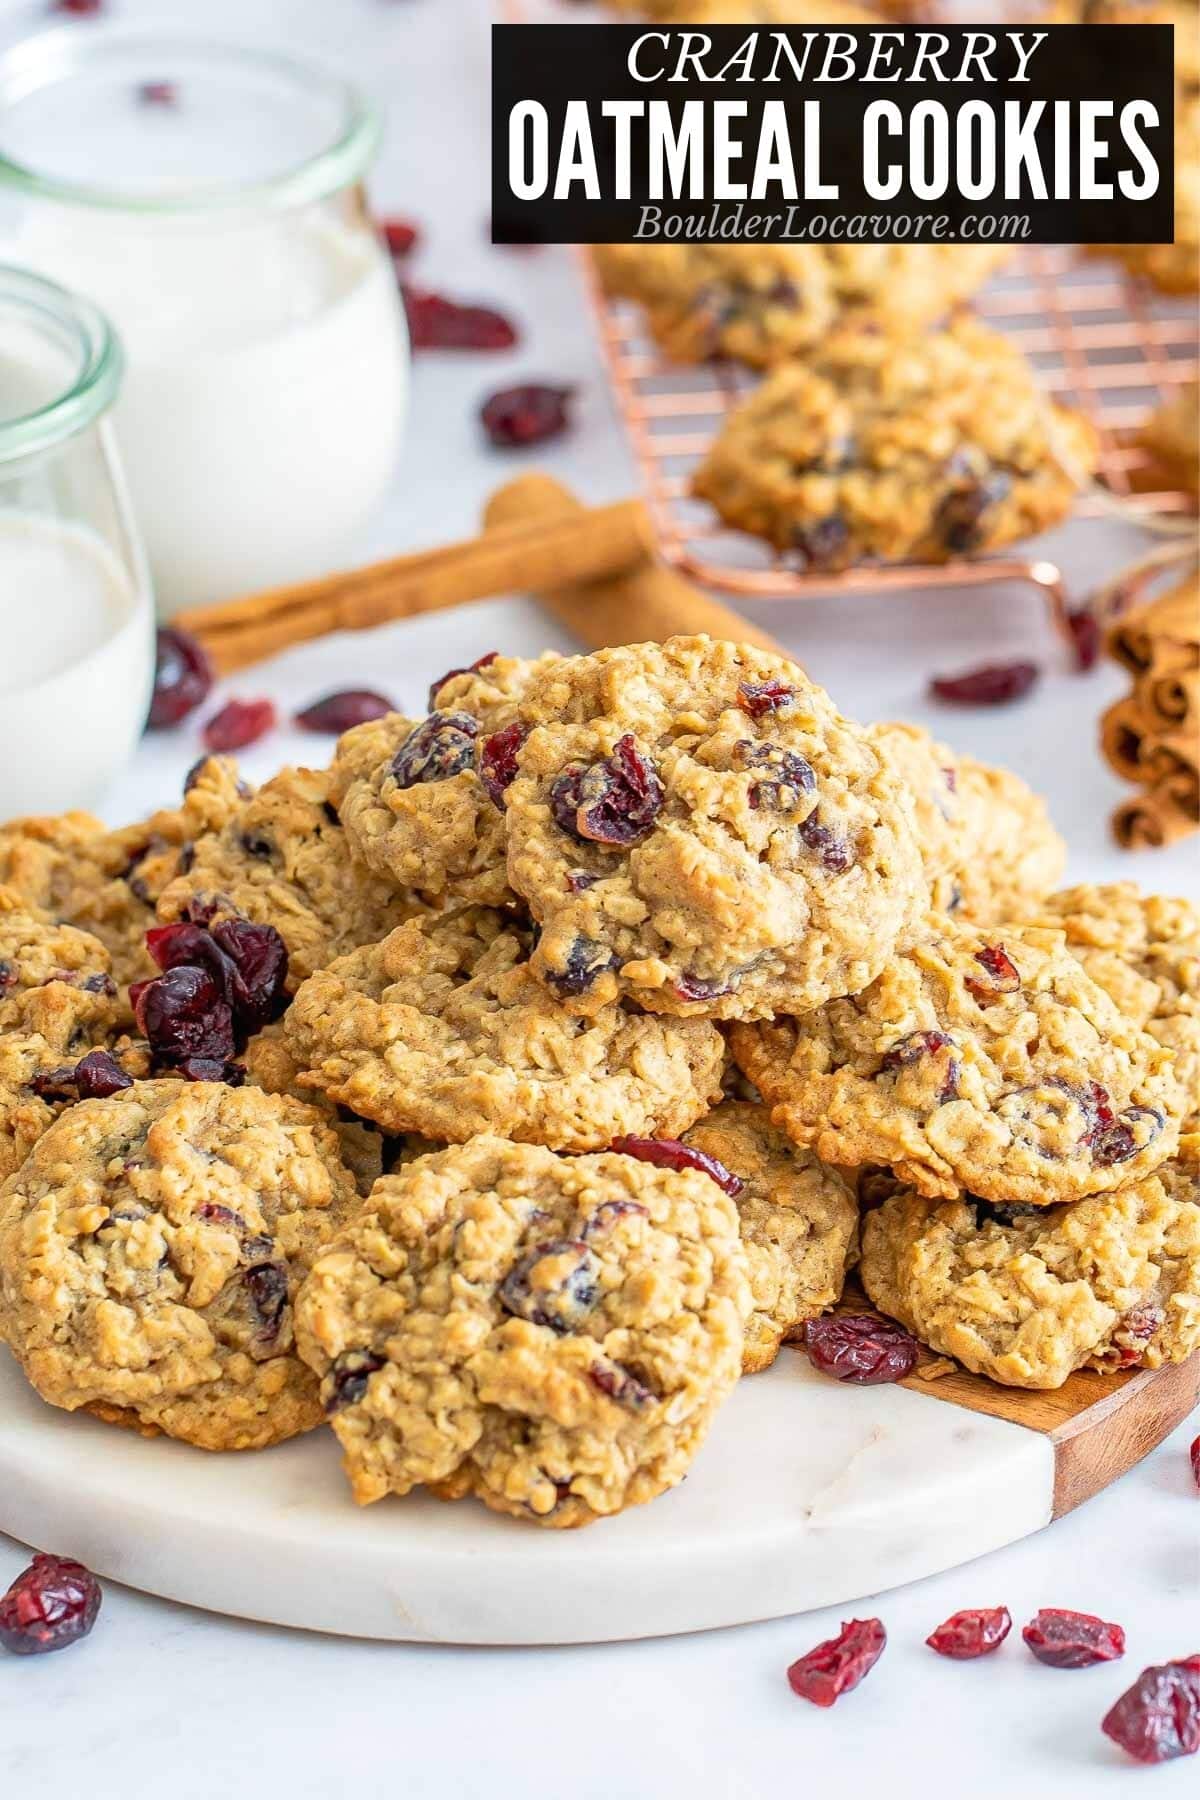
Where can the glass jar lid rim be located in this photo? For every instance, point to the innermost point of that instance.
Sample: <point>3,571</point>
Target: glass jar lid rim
<point>37,61</point>
<point>94,383</point>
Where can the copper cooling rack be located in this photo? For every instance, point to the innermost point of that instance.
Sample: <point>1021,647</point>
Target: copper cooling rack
<point>1099,340</point>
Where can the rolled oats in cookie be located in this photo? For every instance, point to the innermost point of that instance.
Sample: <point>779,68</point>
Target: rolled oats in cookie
<point>798,1220</point>
<point>921,450</point>
<point>41,1076</point>
<point>151,1246</point>
<point>696,828</point>
<point>1028,1295</point>
<point>550,1333</point>
<point>50,971</point>
<point>984,1060</point>
<point>444,1030</point>
<point>989,849</point>
<point>1144,951</point>
<point>269,1064</point>
<point>283,859</point>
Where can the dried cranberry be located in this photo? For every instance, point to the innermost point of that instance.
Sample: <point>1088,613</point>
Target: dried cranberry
<point>991,685</point>
<point>53,1603</point>
<point>530,413</point>
<point>481,662</point>
<point>97,1075</point>
<point>1158,1718</point>
<point>158,93</point>
<point>838,1664</point>
<point>614,801</point>
<point>859,1348</point>
<point>79,8</point>
<point>586,961</point>
<point>1194,1453</point>
<point>267,1286</point>
<point>976,1632</point>
<point>498,760</point>
<point>620,1385</point>
<point>1072,1640</point>
<point>919,1044</point>
<point>610,1211</point>
<point>580,880</point>
<point>823,544</point>
<point>1001,970</point>
<point>182,678</point>
<point>785,777</point>
<point>692,988</point>
<point>554,1284</point>
<point>1117,1141</point>
<point>401,237</point>
<point>184,944</point>
<point>441,746</point>
<point>959,519</point>
<point>1134,1331</point>
<point>259,958</point>
<point>346,1382</point>
<point>344,710</point>
<point>669,1153</point>
<point>758,698</point>
<point>828,846</point>
<point>438,323</point>
<point>183,1014</point>
<point>55,1084</point>
<point>1084,628</point>
<point>238,724</point>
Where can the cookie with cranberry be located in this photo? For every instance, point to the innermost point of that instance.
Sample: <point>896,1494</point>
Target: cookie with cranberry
<point>918,451</point>
<point>50,972</point>
<point>151,1246</point>
<point>984,1060</point>
<point>444,1030</point>
<point>989,848</point>
<point>798,1220</point>
<point>283,859</point>
<point>41,1076</point>
<point>269,1064</point>
<point>1144,951</point>
<point>422,799</point>
<point>697,829</point>
<point>1028,1295</point>
<point>550,1333</point>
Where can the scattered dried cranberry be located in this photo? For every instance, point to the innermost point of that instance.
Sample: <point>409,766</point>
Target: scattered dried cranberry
<point>401,237</point>
<point>248,963</point>
<point>79,8</point>
<point>991,685</point>
<point>614,801</point>
<point>620,1384</point>
<point>1084,628</point>
<point>531,413</point>
<point>838,1664</point>
<point>238,724</point>
<point>438,323</point>
<point>758,698</point>
<point>976,1632</point>
<point>859,1348</point>
<point>182,1013</point>
<point>828,846</point>
<point>1001,971</point>
<point>158,93</point>
<point>97,1075</point>
<point>669,1153</point>
<point>1194,1453</point>
<point>1071,1640</point>
<point>554,1284</point>
<point>344,710</point>
<point>481,662</point>
<point>498,760</point>
<point>53,1603</point>
<point>1158,1718</point>
<point>786,775</point>
<point>1117,1141</point>
<point>346,1382</point>
<point>182,678</point>
<point>441,746</point>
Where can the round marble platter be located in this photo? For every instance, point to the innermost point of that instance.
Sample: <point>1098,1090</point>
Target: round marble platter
<point>806,1493</point>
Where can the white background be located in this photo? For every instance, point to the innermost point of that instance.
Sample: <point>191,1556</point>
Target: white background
<point>163,1700</point>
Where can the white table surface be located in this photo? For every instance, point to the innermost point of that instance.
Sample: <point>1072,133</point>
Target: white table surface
<point>163,1700</point>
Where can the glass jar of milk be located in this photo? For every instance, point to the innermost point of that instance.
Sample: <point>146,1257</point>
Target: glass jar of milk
<point>210,200</point>
<point>76,617</point>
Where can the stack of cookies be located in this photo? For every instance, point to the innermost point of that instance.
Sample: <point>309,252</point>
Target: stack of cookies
<point>509,1088</point>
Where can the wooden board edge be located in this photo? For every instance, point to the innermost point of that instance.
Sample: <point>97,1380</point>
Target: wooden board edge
<point>1098,1446</point>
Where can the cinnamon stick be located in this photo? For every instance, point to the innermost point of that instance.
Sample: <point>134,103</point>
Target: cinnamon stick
<point>641,604</point>
<point>1123,738</point>
<point>1163,636</point>
<point>1151,820</point>
<point>525,554</point>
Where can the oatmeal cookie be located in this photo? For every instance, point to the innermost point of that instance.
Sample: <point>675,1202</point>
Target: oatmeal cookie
<point>1029,1295</point>
<point>799,1224</point>
<point>284,860</point>
<point>985,1061</point>
<point>989,849</point>
<point>270,1065</point>
<point>694,826</point>
<point>876,451</point>
<point>51,972</point>
<point>1144,951</point>
<point>443,1030</point>
<point>150,1249</point>
<point>550,1333</point>
<point>410,794</point>
<point>106,882</point>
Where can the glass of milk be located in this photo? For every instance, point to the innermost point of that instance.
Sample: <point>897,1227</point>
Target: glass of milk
<point>210,199</point>
<point>76,614</point>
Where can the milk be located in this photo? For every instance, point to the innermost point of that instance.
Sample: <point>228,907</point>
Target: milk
<point>260,413</point>
<point>76,663</point>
